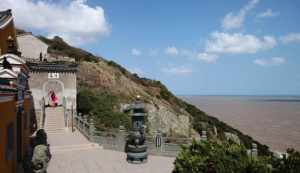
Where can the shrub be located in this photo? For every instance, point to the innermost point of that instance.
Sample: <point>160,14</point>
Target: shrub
<point>289,163</point>
<point>101,106</point>
<point>217,156</point>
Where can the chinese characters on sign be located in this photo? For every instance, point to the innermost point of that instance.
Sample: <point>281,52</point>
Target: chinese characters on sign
<point>53,75</point>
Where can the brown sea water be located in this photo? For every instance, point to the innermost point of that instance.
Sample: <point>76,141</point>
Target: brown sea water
<point>272,120</point>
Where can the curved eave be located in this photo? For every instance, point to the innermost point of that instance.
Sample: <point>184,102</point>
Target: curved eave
<point>4,22</point>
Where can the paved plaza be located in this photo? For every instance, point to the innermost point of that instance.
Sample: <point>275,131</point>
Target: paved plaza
<point>73,153</point>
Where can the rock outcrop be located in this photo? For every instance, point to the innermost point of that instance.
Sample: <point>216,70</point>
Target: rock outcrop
<point>161,114</point>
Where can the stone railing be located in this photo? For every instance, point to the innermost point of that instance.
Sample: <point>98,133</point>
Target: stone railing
<point>116,140</point>
<point>84,126</point>
<point>42,116</point>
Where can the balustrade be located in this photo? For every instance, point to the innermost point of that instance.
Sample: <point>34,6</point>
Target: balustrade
<point>115,140</point>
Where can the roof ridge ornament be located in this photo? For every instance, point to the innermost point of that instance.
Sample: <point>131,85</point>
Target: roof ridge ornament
<point>12,47</point>
<point>6,64</point>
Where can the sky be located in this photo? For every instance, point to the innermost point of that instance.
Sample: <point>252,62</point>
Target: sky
<point>207,47</point>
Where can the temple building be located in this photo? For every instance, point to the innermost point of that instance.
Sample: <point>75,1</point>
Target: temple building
<point>47,78</point>
<point>29,83</point>
<point>17,119</point>
<point>51,78</point>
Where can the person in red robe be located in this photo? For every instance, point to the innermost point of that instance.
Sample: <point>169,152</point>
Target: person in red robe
<point>53,98</point>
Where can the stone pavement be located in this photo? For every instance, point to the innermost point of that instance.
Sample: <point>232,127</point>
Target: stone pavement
<point>73,153</point>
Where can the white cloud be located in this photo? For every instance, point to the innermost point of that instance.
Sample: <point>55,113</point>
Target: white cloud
<point>289,38</point>
<point>238,43</point>
<point>181,70</point>
<point>234,21</point>
<point>75,21</point>
<point>268,13</point>
<point>206,57</point>
<point>275,61</point>
<point>135,52</point>
<point>171,50</point>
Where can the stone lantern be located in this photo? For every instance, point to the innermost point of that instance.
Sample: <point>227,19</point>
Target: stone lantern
<point>136,147</point>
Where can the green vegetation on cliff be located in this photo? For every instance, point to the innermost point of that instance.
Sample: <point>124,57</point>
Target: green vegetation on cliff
<point>214,156</point>
<point>101,106</point>
<point>217,156</point>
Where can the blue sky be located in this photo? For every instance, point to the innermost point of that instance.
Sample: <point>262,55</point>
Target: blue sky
<point>241,47</point>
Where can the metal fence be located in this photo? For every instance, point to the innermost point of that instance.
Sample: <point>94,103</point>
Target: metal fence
<point>116,140</point>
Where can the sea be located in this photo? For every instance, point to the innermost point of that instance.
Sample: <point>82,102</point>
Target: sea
<point>271,120</point>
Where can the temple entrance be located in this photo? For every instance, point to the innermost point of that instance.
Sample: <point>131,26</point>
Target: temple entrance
<point>55,119</point>
<point>53,93</point>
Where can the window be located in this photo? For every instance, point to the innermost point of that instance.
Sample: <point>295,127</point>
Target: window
<point>9,142</point>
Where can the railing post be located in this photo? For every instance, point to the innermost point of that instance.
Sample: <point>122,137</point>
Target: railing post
<point>254,151</point>
<point>65,112</point>
<point>203,136</point>
<point>158,141</point>
<point>43,113</point>
<point>78,121</point>
<point>91,130</point>
<point>72,118</point>
<point>85,131</point>
<point>82,124</point>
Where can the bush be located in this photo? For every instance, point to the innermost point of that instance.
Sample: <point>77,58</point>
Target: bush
<point>217,156</point>
<point>101,106</point>
<point>289,163</point>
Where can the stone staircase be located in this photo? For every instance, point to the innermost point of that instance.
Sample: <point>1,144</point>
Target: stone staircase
<point>55,122</point>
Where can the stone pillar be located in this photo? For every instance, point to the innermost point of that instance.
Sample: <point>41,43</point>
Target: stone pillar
<point>203,136</point>
<point>254,152</point>
<point>42,114</point>
<point>85,130</point>
<point>158,141</point>
<point>215,131</point>
<point>65,112</point>
<point>91,130</point>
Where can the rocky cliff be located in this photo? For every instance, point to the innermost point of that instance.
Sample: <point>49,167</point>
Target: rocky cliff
<point>162,114</point>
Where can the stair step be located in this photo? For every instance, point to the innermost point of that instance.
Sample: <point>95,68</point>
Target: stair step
<point>55,121</point>
<point>55,130</point>
<point>74,147</point>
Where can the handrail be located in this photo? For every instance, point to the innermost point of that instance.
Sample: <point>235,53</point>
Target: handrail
<point>43,113</point>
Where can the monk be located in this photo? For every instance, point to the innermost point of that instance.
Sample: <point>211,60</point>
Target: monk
<point>53,98</point>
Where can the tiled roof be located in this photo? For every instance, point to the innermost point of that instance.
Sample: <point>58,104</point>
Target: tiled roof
<point>5,16</point>
<point>53,66</point>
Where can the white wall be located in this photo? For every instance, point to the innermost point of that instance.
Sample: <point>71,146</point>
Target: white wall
<point>68,80</point>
